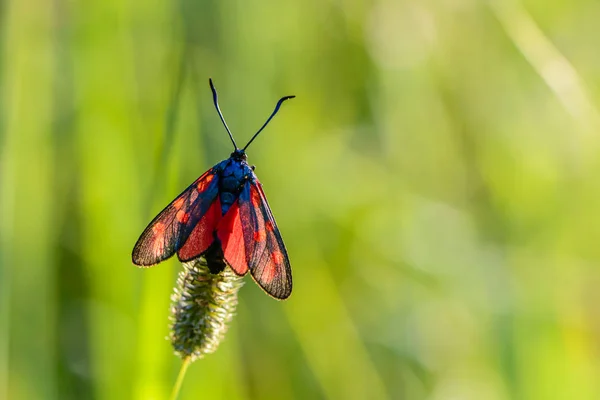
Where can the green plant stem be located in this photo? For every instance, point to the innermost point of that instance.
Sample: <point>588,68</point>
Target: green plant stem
<point>184,366</point>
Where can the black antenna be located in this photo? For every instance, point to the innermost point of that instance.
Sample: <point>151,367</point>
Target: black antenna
<point>216,101</point>
<point>265,124</point>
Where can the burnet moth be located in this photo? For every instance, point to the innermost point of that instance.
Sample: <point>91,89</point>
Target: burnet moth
<point>224,217</point>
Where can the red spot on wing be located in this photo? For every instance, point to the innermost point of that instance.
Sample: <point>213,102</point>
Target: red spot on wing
<point>158,246</point>
<point>269,226</point>
<point>268,274</point>
<point>158,228</point>
<point>202,235</point>
<point>277,257</point>
<point>231,235</point>
<point>178,203</point>
<point>271,267</point>
<point>259,236</point>
<point>203,183</point>
<point>158,240</point>
<point>255,198</point>
<point>182,216</point>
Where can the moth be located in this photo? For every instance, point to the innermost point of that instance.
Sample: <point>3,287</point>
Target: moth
<point>224,217</point>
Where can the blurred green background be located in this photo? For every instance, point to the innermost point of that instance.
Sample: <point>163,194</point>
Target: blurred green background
<point>435,181</point>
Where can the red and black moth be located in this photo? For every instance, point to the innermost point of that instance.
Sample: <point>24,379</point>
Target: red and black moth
<point>224,217</point>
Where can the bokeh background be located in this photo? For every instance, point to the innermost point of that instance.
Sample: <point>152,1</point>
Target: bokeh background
<point>435,181</point>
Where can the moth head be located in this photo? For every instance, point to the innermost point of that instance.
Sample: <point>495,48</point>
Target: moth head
<point>239,155</point>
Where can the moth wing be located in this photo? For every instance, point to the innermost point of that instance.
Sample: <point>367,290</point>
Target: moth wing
<point>202,235</point>
<point>266,255</point>
<point>169,230</point>
<point>231,235</point>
